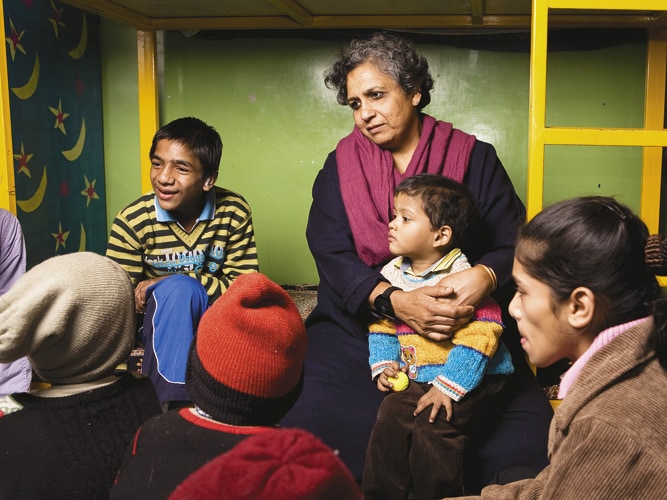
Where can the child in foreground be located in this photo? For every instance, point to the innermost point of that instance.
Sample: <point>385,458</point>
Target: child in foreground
<point>586,293</point>
<point>73,316</point>
<point>456,385</point>
<point>245,371</point>
<point>276,464</point>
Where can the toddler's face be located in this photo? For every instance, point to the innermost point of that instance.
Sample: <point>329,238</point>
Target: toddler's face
<point>410,231</point>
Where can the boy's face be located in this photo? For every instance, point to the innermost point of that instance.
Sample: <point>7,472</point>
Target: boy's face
<point>178,181</point>
<point>410,232</point>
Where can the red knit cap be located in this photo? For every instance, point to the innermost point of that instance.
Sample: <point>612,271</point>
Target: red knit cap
<point>276,464</point>
<point>246,364</point>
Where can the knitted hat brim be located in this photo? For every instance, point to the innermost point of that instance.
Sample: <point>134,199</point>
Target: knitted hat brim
<point>224,404</point>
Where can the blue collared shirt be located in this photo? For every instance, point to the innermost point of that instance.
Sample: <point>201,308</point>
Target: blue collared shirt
<point>207,212</point>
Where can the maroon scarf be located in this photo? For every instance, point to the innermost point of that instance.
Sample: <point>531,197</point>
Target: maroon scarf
<point>368,179</point>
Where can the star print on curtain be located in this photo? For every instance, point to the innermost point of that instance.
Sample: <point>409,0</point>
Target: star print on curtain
<point>55,103</point>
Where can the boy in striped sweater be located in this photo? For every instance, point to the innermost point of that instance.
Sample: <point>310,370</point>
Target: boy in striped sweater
<point>418,441</point>
<point>182,245</point>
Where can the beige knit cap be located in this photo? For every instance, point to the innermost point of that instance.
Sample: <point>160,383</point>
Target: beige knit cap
<point>72,315</point>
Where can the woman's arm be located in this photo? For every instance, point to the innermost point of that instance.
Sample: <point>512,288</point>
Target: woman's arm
<point>501,213</point>
<point>347,279</point>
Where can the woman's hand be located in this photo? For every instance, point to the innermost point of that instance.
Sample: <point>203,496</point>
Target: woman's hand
<point>438,311</point>
<point>470,285</point>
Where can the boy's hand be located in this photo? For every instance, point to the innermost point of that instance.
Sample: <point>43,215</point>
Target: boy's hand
<point>383,382</point>
<point>140,293</point>
<point>437,399</point>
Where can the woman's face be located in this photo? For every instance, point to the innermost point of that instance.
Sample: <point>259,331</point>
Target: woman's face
<point>381,109</point>
<point>546,335</point>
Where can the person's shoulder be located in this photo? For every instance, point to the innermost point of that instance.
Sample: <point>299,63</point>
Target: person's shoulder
<point>484,163</point>
<point>482,149</point>
<point>327,176</point>
<point>461,263</point>
<point>170,423</point>
<point>8,219</point>
<point>134,381</point>
<point>643,380</point>
<point>226,197</point>
<point>145,202</point>
<point>6,214</point>
<point>392,267</point>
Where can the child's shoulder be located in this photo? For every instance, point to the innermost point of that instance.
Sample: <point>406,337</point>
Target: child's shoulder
<point>227,197</point>
<point>145,202</point>
<point>394,263</point>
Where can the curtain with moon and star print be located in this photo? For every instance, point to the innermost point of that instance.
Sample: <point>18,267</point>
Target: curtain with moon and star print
<point>55,103</point>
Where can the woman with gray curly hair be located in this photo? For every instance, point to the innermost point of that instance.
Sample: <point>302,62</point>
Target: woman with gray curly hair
<point>387,83</point>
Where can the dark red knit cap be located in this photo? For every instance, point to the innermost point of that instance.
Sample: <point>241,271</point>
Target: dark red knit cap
<point>276,464</point>
<point>246,364</point>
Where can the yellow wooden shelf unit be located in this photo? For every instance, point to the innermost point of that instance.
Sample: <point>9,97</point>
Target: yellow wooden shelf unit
<point>147,87</point>
<point>652,137</point>
<point>7,187</point>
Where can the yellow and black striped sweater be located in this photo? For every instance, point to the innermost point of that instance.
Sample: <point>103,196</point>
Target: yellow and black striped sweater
<point>219,248</point>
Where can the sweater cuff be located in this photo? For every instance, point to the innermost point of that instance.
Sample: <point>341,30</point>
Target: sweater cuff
<point>449,388</point>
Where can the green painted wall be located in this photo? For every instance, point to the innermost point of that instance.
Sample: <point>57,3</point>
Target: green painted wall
<point>120,116</point>
<point>278,121</point>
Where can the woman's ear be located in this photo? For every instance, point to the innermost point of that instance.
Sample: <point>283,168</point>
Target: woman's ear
<point>442,236</point>
<point>416,98</point>
<point>581,308</point>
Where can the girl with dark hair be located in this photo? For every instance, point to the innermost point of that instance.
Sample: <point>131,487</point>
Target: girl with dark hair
<point>586,293</point>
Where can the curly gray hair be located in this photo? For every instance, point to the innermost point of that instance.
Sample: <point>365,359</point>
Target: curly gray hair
<point>389,53</point>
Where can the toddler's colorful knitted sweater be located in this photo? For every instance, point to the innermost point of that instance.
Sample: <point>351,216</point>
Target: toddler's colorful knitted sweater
<point>455,366</point>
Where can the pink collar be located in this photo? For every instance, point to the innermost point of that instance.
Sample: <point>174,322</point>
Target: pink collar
<point>603,338</point>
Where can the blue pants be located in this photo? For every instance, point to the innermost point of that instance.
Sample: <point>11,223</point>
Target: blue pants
<point>173,309</point>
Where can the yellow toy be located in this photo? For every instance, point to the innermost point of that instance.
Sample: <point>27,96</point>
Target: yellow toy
<point>400,382</point>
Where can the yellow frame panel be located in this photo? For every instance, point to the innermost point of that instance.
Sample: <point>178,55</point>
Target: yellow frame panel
<point>7,186</point>
<point>658,5</point>
<point>652,137</point>
<point>654,105</point>
<point>148,100</point>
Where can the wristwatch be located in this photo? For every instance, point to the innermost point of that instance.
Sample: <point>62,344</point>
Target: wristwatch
<point>382,303</point>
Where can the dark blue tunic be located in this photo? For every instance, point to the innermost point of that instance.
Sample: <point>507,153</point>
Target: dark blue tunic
<point>339,401</point>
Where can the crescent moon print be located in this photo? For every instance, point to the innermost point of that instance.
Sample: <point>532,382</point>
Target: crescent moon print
<point>54,89</point>
<point>80,49</point>
<point>82,241</point>
<point>27,90</point>
<point>75,152</point>
<point>32,203</point>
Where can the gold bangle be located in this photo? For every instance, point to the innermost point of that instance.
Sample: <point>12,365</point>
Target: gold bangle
<point>492,275</point>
